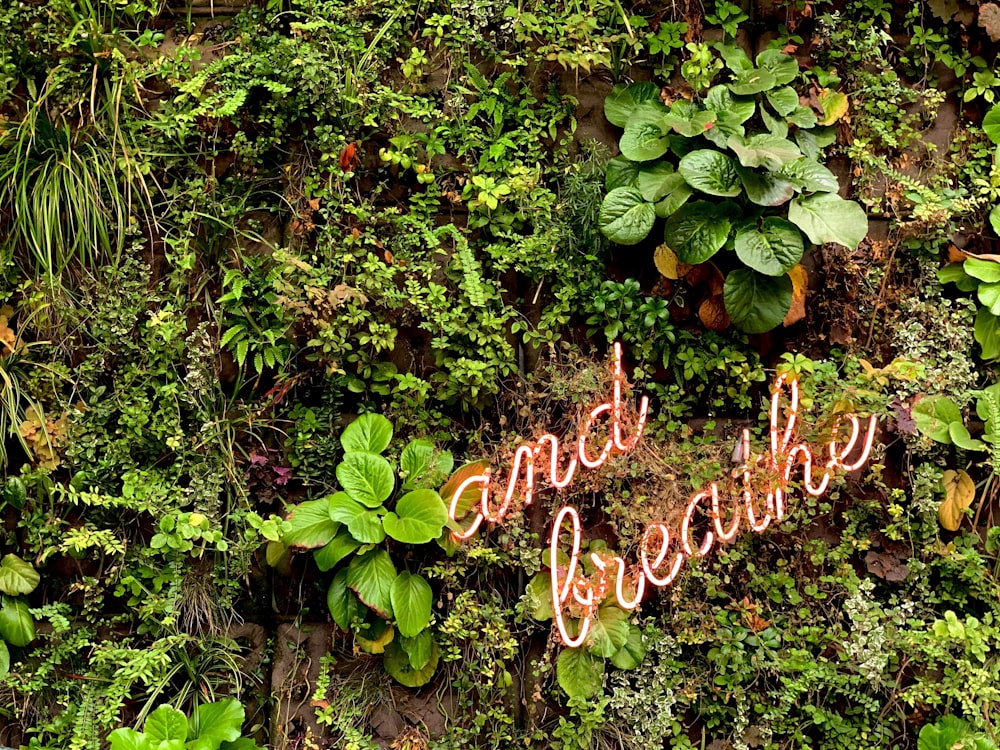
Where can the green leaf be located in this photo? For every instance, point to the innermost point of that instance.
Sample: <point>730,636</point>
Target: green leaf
<point>420,516</point>
<point>623,101</point>
<point>960,436</point>
<point>129,739</point>
<point>995,219</point>
<point>397,663</point>
<point>166,723</point>
<point>766,188</point>
<point>411,598</point>
<point>371,576</point>
<point>710,172</point>
<point>626,218</point>
<point>369,433</point>
<point>987,330</point>
<point>954,273</point>
<point>757,303</point>
<point>784,100</point>
<point>367,478</point>
<point>991,124</point>
<point>805,118</point>
<point>310,524</point>
<point>423,464</point>
<point>215,723</point>
<point>339,547</point>
<point>773,248</point>
<point>364,523</point>
<point>677,198</point>
<point>783,68</point>
<point>989,295</point>
<point>631,654</point>
<point>697,231</point>
<point>764,150</point>
<point>719,99</point>
<point>621,172</point>
<point>15,493</point>
<point>16,625</point>
<point>984,270</point>
<point>344,605</point>
<point>645,136</point>
<point>17,576</point>
<point>934,415</point>
<point>608,632</point>
<point>813,141</point>
<point>826,217</point>
<point>752,82</point>
<point>736,59</point>
<point>539,596</point>
<point>418,648</point>
<point>580,674</point>
<point>809,174</point>
<point>689,121</point>
<point>656,179</point>
<point>4,659</point>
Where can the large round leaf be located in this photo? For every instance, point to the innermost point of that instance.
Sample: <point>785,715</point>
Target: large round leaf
<point>311,525</point>
<point>721,100</point>
<point>625,100</point>
<point>579,672</point>
<point>809,174</point>
<point>419,648</point>
<point>620,172</point>
<point>764,150</point>
<point>16,625</point>
<point>411,597</point>
<point>645,137</point>
<point>367,478</point>
<point>755,302</point>
<point>710,172</point>
<point>420,515</point>
<point>625,217</point>
<point>987,331</point>
<point>784,100</point>
<point>371,576</point>
<point>608,631</point>
<point>344,605</point>
<point>166,723</point>
<point>215,723</point>
<point>368,433</point>
<point>766,188</point>
<point>129,739</point>
<point>991,124</point>
<point>631,654</point>
<point>656,179</point>
<point>364,523</point>
<point>826,217</point>
<point>339,547</point>
<point>773,248</point>
<point>753,81</point>
<point>782,67</point>
<point>397,663</point>
<point>17,576</point>
<point>422,463</point>
<point>696,231</point>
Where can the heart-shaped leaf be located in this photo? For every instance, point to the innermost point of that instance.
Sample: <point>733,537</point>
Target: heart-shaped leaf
<point>166,723</point>
<point>608,632</point>
<point>784,100</point>
<point>783,67</point>
<point>809,174</point>
<point>766,188</point>
<point>933,416</point>
<point>657,179</point>
<point>645,137</point>
<point>697,231</point>
<point>366,477</point>
<point>424,465</point>
<point>721,100</point>
<point>620,172</point>
<point>757,303</point>
<point>418,648</point>
<point>369,433</point>
<point>710,172</point>
<point>129,739</point>
<point>987,331</point>
<point>215,723</point>
<point>625,217</point>
<point>419,517</point>
<point>752,81</point>
<point>411,597</point>
<point>773,248</point>
<point>764,150</point>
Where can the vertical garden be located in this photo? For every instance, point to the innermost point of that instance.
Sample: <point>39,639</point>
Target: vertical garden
<point>483,374</point>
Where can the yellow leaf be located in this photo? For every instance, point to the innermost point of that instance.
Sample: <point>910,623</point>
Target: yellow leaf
<point>800,283</point>
<point>959,492</point>
<point>378,645</point>
<point>667,263</point>
<point>834,106</point>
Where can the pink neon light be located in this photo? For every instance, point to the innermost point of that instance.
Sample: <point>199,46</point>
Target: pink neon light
<point>769,473</point>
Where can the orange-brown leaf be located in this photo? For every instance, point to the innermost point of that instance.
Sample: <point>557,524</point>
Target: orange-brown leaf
<point>800,283</point>
<point>712,312</point>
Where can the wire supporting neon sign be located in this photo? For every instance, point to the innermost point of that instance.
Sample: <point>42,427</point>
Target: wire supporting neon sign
<point>661,553</point>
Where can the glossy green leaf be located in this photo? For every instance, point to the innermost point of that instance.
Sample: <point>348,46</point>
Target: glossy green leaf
<point>366,477</point>
<point>579,673</point>
<point>339,547</point>
<point>419,517</point>
<point>311,525</point>
<point>369,433</point>
<point>991,124</point>
<point>539,596</point>
<point>423,465</point>
<point>826,217</point>
<point>631,654</point>
<point>364,524</point>
<point>995,219</point>
<point>720,99</point>
<point>989,295</point>
<point>757,303</point>
<point>984,270</point>
<point>784,100</point>
<point>608,631</point>
<point>954,273</point>
<point>710,172</point>
<point>215,723</point>
<point>16,624</point>
<point>4,659</point>
<point>166,723</point>
<point>697,231</point>
<point>129,739</point>
<point>620,172</point>
<point>623,101</point>
<point>766,188</point>
<point>411,598</point>
<point>344,605</point>
<point>397,663</point>
<point>772,248</point>
<point>371,576</point>
<point>987,331</point>
<point>645,137</point>
<point>809,174</point>
<point>669,204</point>
<point>784,68</point>
<point>15,493</point>
<point>656,179</point>
<point>764,150</point>
<point>625,217</point>
<point>17,576</point>
<point>934,415</point>
<point>805,118</point>
<point>418,648</point>
<point>960,436</point>
<point>753,81</point>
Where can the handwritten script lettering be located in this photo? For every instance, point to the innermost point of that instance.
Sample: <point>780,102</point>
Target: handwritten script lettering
<point>760,499</point>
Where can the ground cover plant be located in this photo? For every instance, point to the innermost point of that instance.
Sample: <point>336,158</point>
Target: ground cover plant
<point>282,281</point>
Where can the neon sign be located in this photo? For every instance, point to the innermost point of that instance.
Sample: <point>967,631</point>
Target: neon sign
<point>661,552</point>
